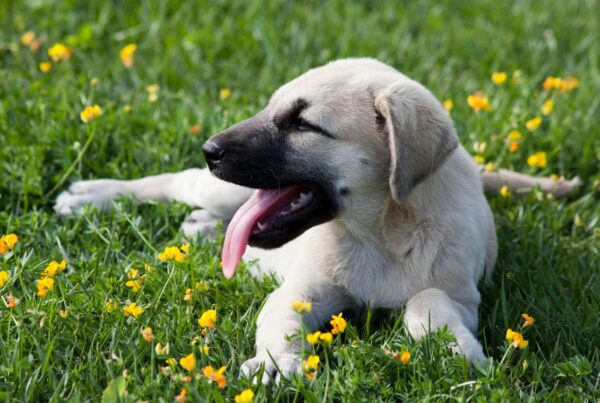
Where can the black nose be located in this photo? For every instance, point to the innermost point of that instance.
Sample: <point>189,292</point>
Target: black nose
<point>212,152</point>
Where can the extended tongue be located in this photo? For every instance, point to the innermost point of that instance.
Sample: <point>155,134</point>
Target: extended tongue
<point>240,227</point>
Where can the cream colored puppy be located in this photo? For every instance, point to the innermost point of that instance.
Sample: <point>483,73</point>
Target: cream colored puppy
<point>365,198</point>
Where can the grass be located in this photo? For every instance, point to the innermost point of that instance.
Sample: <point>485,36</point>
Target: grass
<point>66,346</point>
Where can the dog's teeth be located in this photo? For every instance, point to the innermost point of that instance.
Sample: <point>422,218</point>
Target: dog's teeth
<point>261,226</point>
<point>296,206</point>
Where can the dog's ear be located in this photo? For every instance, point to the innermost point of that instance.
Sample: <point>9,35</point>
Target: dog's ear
<point>421,134</point>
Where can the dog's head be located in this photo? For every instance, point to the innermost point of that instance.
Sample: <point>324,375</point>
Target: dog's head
<point>342,137</point>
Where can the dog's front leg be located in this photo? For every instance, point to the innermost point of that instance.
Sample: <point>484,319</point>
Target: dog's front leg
<point>432,309</point>
<point>277,322</point>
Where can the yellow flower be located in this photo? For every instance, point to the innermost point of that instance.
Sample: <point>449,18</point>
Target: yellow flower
<point>247,396</point>
<point>111,306</point>
<point>134,285</point>
<point>533,124</point>
<point>188,362</point>
<point>160,350</point>
<point>568,83</point>
<point>202,285</point>
<point>514,135</point>
<point>215,375</point>
<point>172,253</point>
<point>205,349</point>
<point>338,323</point>
<point>8,242</point>
<point>448,104</point>
<point>44,285</point>
<point>479,102</point>
<point>171,361</point>
<point>504,192</point>
<point>152,91</point>
<point>27,38</point>
<point>188,295</point>
<point>311,363</point>
<point>301,306</point>
<point>45,67</point>
<point>94,81</point>
<point>313,338</point>
<point>64,313</point>
<point>60,52</point>
<point>479,146</point>
<point>490,167</point>
<point>478,159</point>
<point>4,277</point>
<point>195,129</point>
<point>90,113</point>
<point>147,334</point>
<point>529,320</point>
<point>551,83</point>
<point>538,159</point>
<point>499,77</point>
<point>208,319</point>
<point>405,355</point>
<point>11,302</point>
<point>133,309</point>
<point>514,146</point>
<point>516,338</point>
<point>224,93</point>
<point>54,268</point>
<point>185,248</point>
<point>181,397</point>
<point>133,273</point>
<point>127,54</point>
<point>547,107</point>
<point>326,338</point>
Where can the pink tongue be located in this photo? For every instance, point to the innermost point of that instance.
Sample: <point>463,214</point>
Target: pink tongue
<point>240,227</point>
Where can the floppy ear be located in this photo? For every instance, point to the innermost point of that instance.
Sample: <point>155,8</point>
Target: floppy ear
<point>421,134</point>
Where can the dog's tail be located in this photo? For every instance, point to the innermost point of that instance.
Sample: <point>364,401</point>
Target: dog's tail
<point>518,183</point>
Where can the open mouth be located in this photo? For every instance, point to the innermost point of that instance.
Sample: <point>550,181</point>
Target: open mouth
<point>270,218</point>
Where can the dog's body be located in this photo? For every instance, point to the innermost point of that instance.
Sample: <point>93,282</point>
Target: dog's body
<point>378,205</point>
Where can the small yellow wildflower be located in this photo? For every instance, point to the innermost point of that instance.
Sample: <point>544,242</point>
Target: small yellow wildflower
<point>301,306</point>
<point>181,397</point>
<point>480,146</point>
<point>313,338</point>
<point>499,77</point>
<point>64,313</point>
<point>547,107</point>
<point>162,350</point>
<point>60,52</point>
<point>11,302</point>
<point>516,338</point>
<point>216,375</point>
<point>27,38</point>
<point>188,362</point>
<point>205,349</point>
<point>533,124</point>
<point>195,129</point>
<point>54,268</point>
<point>538,160</point>
<point>551,83</point>
<point>133,309</point>
<point>311,363</point>
<point>326,338</point>
<point>185,248</point>
<point>90,113</point>
<point>94,81</point>
<point>4,277</point>
<point>111,306</point>
<point>188,295</point>
<point>405,355</point>
<point>224,93</point>
<point>127,54</point>
<point>514,146</point>
<point>478,159</point>
<point>338,323</point>
<point>504,191</point>
<point>172,253</point>
<point>202,285</point>
<point>152,91</point>
<point>448,104</point>
<point>44,285</point>
<point>568,84</point>
<point>208,319</point>
<point>247,396</point>
<point>490,167</point>
<point>529,320</point>
<point>8,242</point>
<point>479,102</point>
<point>45,67</point>
<point>147,334</point>
<point>514,135</point>
<point>171,361</point>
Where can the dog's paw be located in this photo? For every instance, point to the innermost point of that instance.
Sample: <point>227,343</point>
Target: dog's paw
<point>276,367</point>
<point>200,222</point>
<point>98,193</point>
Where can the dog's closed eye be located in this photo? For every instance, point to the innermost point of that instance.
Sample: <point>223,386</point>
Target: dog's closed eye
<point>291,120</point>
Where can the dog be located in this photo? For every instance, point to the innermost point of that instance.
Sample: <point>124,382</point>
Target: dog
<point>352,187</point>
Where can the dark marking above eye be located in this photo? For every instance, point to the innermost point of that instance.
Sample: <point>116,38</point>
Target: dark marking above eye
<point>286,117</point>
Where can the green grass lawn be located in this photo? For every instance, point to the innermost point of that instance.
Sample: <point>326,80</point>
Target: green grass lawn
<point>67,346</point>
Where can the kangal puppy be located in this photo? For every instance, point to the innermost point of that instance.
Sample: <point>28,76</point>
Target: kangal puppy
<point>365,198</point>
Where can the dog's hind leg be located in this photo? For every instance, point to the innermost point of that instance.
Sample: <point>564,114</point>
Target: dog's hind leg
<point>195,187</point>
<point>519,183</point>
